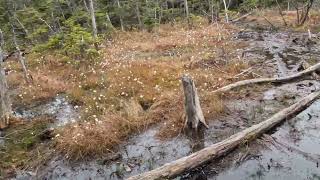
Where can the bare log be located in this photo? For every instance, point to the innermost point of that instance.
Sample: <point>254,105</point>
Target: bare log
<point>5,103</point>
<point>193,109</point>
<point>269,80</point>
<point>170,170</point>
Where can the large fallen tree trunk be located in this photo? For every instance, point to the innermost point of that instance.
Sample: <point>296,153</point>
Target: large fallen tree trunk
<point>269,80</point>
<point>170,170</point>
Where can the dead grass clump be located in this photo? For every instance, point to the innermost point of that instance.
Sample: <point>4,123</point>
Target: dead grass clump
<point>14,79</point>
<point>100,135</point>
<point>42,87</point>
<point>89,139</point>
<point>170,111</point>
<point>212,105</point>
<point>142,79</point>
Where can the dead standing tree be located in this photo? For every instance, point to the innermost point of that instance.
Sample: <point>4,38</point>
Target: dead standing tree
<point>303,13</point>
<point>21,56</point>
<point>5,103</point>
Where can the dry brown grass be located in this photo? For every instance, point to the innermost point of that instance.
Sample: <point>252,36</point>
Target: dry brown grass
<point>141,86</point>
<point>136,85</point>
<point>89,139</point>
<point>43,87</point>
<point>273,16</point>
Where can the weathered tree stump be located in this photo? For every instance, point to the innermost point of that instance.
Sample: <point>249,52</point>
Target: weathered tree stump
<point>194,113</point>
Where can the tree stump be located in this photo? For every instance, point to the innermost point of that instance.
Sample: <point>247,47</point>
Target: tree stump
<point>194,113</point>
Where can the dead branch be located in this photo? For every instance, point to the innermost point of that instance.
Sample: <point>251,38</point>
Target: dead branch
<point>269,80</point>
<point>241,17</point>
<point>170,170</point>
<point>281,14</point>
<point>21,57</point>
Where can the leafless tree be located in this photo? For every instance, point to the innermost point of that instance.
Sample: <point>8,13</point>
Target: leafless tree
<point>20,56</point>
<point>303,12</point>
<point>120,16</point>
<point>93,20</point>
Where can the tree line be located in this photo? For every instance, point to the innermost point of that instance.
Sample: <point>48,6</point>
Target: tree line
<point>73,26</point>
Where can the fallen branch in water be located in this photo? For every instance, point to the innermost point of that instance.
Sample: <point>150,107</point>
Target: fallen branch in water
<point>171,170</point>
<point>269,80</point>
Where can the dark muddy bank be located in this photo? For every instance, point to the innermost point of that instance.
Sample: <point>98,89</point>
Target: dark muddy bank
<point>294,155</point>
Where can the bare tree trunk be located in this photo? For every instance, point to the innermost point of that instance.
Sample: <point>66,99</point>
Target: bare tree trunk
<point>186,6</point>
<point>281,14</point>
<point>226,10</point>
<point>5,103</point>
<point>93,20</point>
<point>120,16</point>
<point>21,57</point>
<point>86,6</point>
<point>211,5</point>
<point>193,109</point>
<point>305,15</point>
<point>109,23</point>
<point>51,29</point>
<point>138,15</point>
<point>22,26</point>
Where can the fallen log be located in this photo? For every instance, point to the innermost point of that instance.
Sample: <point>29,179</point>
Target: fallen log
<point>268,80</point>
<point>171,170</point>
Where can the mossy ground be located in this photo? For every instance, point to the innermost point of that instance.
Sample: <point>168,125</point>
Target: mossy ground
<point>22,146</point>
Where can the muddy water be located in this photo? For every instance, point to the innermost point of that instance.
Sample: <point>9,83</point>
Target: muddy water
<point>294,155</point>
<point>293,152</point>
<point>297,156</point>
<point>59,108</point>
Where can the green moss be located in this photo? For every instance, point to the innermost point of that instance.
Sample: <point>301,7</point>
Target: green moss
<point>20,141</point>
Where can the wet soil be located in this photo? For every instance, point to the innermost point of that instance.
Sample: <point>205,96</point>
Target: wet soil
<point>59,108</point>
<point>292,152</point>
